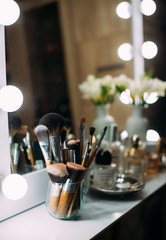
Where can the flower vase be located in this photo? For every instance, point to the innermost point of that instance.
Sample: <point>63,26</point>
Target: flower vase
<point>103,118</point>
<point>137,123</point>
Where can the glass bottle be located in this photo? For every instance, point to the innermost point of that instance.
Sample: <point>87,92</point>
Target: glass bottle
<point>104,170</point>
<point>135,158</point>
<point>117,148</point>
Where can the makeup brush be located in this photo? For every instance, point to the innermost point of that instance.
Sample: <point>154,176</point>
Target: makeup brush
<point>54,123</point>
<point>75,173</point>
<point>77,151</point>
<point>71,144</point>
<point>82,134</point>
<point>67,125</point>
<point>58,174</point>
<point>14,123</point>
<point>88,146</point>
<point>97,145</point>
<point>63,137</point>
<point>42,135</point>
<point>17,141</point>
<point>28,149</point>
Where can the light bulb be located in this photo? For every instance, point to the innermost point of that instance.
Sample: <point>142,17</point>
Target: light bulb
<point>14,186</point>
<point>152,136</point>
<point>123,10</point>
<point>9,12</point>
<point>11,98</point>
<point>125,51</point>
<point>148,7</point>
<point>152,98</point>
<point>149,50</point>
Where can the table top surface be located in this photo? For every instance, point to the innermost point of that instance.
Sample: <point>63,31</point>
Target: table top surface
<point>99,211</point>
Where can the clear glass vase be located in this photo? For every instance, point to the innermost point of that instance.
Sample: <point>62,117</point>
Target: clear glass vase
<point>103,118</point>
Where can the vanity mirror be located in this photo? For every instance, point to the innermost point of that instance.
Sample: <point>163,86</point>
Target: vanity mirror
<point>89,32</point>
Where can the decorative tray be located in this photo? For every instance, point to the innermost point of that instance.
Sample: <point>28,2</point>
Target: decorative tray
<point>123,185</point>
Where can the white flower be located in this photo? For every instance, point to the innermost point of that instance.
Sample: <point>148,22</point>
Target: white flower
<point>103,90</point>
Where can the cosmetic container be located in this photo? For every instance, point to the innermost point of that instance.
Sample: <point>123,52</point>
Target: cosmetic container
<point>104,170</point>
<point>64,201</point>
<point>136,162</point>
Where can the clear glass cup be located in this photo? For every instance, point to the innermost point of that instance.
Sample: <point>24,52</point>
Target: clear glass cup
<point>64,201</point>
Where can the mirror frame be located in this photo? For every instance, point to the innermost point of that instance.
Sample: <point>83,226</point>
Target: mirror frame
<point>37,181</point>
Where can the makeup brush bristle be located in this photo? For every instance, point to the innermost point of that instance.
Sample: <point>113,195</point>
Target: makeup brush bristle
<point>92,130</point>
<point>57,172</point>
<point>54,122</point>
<point>42,133</point>
<point>71,144</point>
<point>14,121</point>
<point>18,137</point>
<point>75,171</point>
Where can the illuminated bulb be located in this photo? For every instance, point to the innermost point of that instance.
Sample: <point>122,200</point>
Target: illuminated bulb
<point>152,136</point>
<point>123,10</point>
<point>125,51</point>
<point>9,12</point>
<point>149,50</point>
<point>14,186</point>
<point>125,97</point>
<point>148,7</point>
<point>124,135</point>
<point>152,98</point>
<point>11,98</point>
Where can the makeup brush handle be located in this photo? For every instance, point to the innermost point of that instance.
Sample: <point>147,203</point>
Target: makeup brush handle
<point>73,200</point>
<point>54,197</point>
<point>30,155</point>
<point>15,168</point>
<point>90,159</point>
<point>64,203</point>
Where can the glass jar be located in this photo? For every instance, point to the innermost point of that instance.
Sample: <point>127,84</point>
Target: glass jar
<point>64,201</point>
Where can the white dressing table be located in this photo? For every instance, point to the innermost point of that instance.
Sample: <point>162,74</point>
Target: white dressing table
<point>100,213</point>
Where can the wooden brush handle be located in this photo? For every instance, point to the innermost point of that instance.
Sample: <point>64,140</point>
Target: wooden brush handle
<point>30,155</point>
<point>73,200</point>
<point>64,203</point>
<point>15,168</point>
<point>89,161</point>
<point>54,197</point>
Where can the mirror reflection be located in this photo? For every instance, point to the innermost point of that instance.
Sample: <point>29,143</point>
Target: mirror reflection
<point>52,48</point>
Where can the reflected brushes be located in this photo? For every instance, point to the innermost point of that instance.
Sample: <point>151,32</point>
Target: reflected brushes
<point>42,135</point>
<point>54,122</point>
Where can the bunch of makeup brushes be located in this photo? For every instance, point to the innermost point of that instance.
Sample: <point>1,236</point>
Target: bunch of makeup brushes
<point>66,161</point>
<point>19,142</point>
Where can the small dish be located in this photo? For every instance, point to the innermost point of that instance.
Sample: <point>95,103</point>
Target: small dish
<point>124,185</point>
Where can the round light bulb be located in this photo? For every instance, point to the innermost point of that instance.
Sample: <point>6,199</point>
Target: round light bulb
<point>125,51</point>
<point>148,7</point>
<point>11,98</point>
<point>152,98</point>
<point>152,136</point>
<point>9,12</point>
<point>14,186</point>
<point>123,10</point>
<point>149,50</point>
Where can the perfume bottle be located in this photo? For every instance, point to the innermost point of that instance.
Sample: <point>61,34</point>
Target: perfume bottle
<point>117,148</point>
<point>135,158</point>
<point>114,143</point>
<point>104,170</point>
